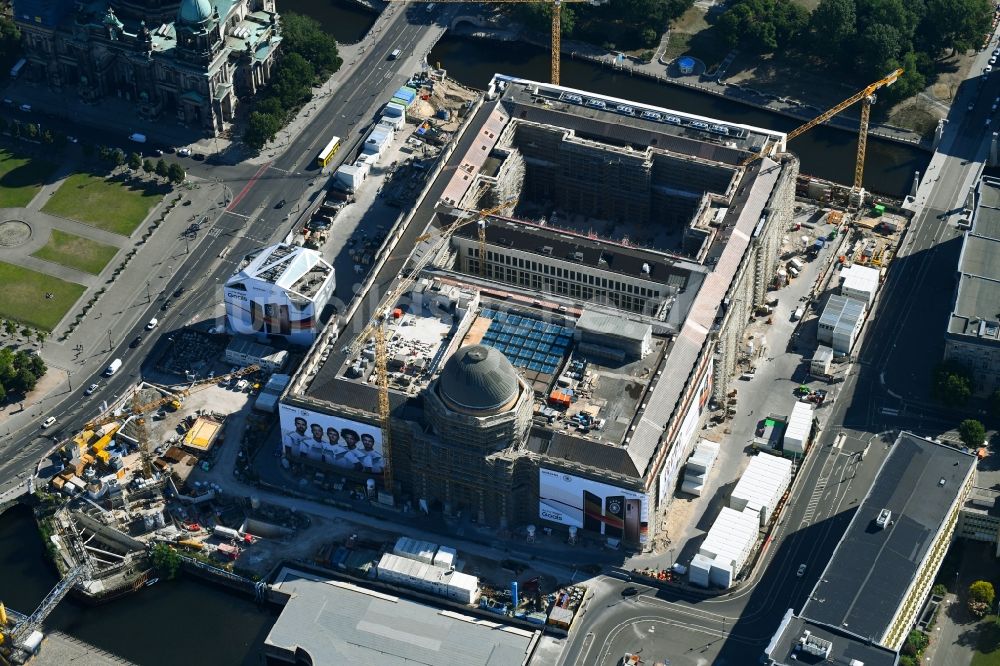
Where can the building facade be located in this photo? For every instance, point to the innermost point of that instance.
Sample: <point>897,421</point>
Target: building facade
<point>190,61</point>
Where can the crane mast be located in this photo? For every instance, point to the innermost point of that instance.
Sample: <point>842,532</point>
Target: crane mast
<point>867,97</point>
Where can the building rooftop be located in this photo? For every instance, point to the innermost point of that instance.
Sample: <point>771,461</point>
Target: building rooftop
<point>842,311</point>
<point>629,120</point>
<point>795,638</point>
<point>976,311</point>
<point>638,399</point>
<point>674,272</point>
<point>478,378</point>
<point>339,623</point>
<point>295,269</point>
<point>872,568</point>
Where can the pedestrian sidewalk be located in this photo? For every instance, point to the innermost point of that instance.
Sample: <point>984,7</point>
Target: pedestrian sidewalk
<point>116,311</point>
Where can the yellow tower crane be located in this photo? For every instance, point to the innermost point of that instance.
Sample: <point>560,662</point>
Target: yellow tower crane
<point>556,9</point>
<point>867,96</point>
<point>376,327</point>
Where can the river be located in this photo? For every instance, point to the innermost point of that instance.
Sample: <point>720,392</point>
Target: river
<point>346,21</point>
<point>183,621</point>
<point>824,152</point>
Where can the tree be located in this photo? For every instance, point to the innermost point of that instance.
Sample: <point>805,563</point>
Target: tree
<point>952,384</point>
<point>762,26</point>
<point>3,393</point>
<point>148,166</point>
<point>134,161</point>
<point>47,138</point>
<point>10,327</point>
<point>26,332</point>
<point>10,42</point>
<point>833,29</point>
<point>24,381</point>
<point>981,596</point>
<point>261,128</point>
<point>161,168</point>
<point>119,157</point>
<point>304,36</point>
<point>175,172</point>
<point>915,644</point>
<point>972,433</point>
<point>31,130</point>
<point>939,590</point>
<point>956,25</point>
<point>165,559</point>
<point>40,337</point>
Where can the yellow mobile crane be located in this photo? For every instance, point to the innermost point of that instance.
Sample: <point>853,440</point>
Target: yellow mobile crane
<point>868,97</point>
<point>376,325</point>
<point>556,9</point>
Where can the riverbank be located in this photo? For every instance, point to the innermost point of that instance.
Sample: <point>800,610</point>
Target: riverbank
<point>660,72</point>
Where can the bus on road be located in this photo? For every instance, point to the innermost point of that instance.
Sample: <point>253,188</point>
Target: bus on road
<point>327,153</point>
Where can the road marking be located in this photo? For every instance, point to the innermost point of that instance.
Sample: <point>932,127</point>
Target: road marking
<point>246,188</point>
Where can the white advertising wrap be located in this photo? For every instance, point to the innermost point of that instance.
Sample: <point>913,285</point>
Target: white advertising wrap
<point>590,505</point>
<point>682,446</point>
<point>338,442</point>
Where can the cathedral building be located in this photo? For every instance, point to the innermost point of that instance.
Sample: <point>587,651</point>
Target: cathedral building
<point>191,60</point>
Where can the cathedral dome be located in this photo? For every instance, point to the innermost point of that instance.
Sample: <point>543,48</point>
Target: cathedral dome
<point>194,11</point>
<point>478,378</point>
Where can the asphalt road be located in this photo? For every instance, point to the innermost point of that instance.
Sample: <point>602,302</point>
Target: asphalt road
<point>248,222</point>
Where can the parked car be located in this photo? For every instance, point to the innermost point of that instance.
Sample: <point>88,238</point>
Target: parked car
<point>184,152</point>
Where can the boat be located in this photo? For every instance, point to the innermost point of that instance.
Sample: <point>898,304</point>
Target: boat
<point>152,581</point>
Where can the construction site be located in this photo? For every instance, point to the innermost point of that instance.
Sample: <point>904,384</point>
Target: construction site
<point>566,277</point>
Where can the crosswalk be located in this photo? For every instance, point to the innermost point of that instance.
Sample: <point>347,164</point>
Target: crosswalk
<point>817,494</point>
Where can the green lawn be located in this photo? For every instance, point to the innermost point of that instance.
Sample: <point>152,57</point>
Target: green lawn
<point>106,204</point>
<point>988,645</point>
<point>20,179</point>
<point>76,252</point>
<point>24,296</point>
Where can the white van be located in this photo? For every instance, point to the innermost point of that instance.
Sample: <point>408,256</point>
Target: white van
<point>799,311</point>
<point>395,54</point>
<point>793,271</point>
<point>113,367</point>
<point>430,8</point>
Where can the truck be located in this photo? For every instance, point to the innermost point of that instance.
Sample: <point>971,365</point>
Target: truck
<point>799,311</point>
<point>113,367</point>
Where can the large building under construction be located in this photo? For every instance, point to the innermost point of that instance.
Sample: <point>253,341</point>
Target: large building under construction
<point>549,363</point>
